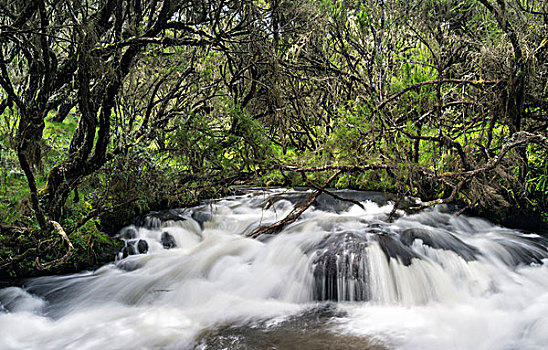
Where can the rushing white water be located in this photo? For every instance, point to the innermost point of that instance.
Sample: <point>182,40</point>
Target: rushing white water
<point>426,281</point>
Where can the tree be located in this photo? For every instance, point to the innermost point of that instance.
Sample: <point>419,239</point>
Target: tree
<point>85,51</point>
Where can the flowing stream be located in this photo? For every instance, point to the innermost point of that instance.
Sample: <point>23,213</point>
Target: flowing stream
<point>340,277</point>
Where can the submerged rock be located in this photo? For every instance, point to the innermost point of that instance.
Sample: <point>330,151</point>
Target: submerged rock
<point>168,241</point>
<point>134,247</point>
<point>518,250</point>
<point>15,299</point>
<point>445,241</point>
<point>340,271</point>
<point>201,216</point>
<point>309,330</point>
<point>155,219</point>
<point>128,233</point>
<point>393,248</point>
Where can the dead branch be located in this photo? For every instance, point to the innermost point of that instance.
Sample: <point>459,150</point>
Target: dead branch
<point>392,214</point>
<point>521,138</point>
<point>294,214</point>
<point>449,199</point>
<point>64,258</point>
<point>431,82</point>
<point>329,193</point>
<point>460,212</point>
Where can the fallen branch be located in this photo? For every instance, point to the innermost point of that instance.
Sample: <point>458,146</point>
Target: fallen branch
<point>323,190</point>
<point>519,139</point>
<point>17,258</point>
<point>395,208</point>
<point>294,214</point>
<point>62,259</point>
<point>449,199</point>
<point>470,205</point>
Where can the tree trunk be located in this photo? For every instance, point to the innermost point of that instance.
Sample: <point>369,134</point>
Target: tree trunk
<point>29,136</point>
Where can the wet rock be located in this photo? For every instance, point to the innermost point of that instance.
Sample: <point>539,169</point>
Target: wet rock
<point>329,203</point>
<point>125,252</point>
<point>201,216</point>
<point>155,219</point>
<point>522,250</point>
<point>341,268</point>
<point>134,247</point>
<point>128,233</point>
<point>15,299</point>
<point>168,241</point>
<point>332,204</point>
<point>393,248</point>
<point>309,330</point>
<point>445,241</point>
<point>340,271</point>
<point>326,274</point>
<point>142,246</point>
<point>129,265</point>
<point>295,198</point>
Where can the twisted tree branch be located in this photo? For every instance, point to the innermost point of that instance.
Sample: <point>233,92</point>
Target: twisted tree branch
<point>64,258</point>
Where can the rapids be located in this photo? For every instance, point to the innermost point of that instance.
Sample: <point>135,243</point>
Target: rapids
<point>340,277</point>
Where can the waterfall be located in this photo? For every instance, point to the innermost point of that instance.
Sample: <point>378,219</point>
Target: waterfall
<point>342,276</point>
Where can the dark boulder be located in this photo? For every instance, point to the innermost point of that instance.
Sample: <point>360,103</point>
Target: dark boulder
<point>142,246</point>
<point>340,271</point>
<point>443,240</point>
<point>346,198</point>
<point>522,250</point>
<point>134,247</point>
<point>154,219</point>
<point>329,203</point>
<point>393,248</point>
<point>168,241</point>
<point>128,233</point>
<point>201,216</point>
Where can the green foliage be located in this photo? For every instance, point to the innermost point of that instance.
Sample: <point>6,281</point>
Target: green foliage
<point>231,140</point>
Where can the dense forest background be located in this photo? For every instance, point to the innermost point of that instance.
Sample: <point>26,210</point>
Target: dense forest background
<point>111,108</point>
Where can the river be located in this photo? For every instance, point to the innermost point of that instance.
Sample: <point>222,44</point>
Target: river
<point>343,276</point>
